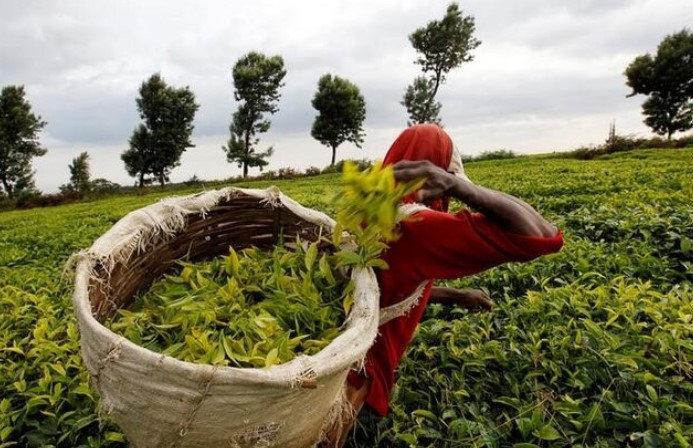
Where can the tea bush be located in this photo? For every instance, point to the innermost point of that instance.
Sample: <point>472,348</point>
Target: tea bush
<point>590,347</point>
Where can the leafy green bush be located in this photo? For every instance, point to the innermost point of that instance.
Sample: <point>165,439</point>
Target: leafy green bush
<point>498,154</point>
<point>571,348</point>
<point>572,366</point>
<point>312,171</point>
<point>287,173</point>
<point>621,143</point>
<point>361,164</point>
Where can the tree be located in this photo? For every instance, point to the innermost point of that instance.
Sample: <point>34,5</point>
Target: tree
<point>157,145</point>
<point>418,103</point>
<point>341,111</point>
<point>257,80</point>
<point>104,186</point>
<point>443,45</point>
<point>19,130</point>
<point>667,79</point>
<point>79,175</point>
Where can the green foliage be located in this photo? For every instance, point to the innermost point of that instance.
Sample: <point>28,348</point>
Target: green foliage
<point>443,45</point>
<point>558,367</point>
<point>258,309</point>
<point>19,133</point>
<point>589,347</point>
<point>79,175</point>
<point>257,80</point>
<point>417,101</point>
<point>251,309</point>
<point>157,144</point>
<point>620,143</point>
<point>341,111</point>
<point>498,154</point>
<point>101,186</point>
<point>361,165</point>
<point>570,349</point>
<point>368,209</point>
<point>667,79</point>
<point>312,171</point>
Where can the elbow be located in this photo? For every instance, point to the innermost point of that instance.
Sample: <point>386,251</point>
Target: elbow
<point>548,230</point>
<point>537,227</point>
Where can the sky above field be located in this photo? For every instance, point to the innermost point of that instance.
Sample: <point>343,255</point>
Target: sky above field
<point>548,75</point>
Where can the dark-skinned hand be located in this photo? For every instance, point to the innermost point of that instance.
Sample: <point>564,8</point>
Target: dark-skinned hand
<point>438,181</point>
<point>473,300</point>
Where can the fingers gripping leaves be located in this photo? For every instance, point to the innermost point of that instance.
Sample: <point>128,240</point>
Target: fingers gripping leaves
<point>368,210</point>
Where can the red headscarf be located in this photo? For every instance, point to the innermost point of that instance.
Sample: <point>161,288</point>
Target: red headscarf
<point>423,142</point>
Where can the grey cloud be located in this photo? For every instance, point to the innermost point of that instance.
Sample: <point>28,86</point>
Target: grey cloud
<point>541,63</point>
<point>590,28</point>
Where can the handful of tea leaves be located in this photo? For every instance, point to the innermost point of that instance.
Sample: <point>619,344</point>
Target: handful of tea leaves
<point>257,309</point>
<point>368,209</point>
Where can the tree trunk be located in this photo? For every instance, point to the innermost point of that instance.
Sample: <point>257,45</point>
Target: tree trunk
<point>161,179</point>
<point>247,153</point>
<point>8,189</point>
<point>433,95</point>
<point>142,179</point>
<point>334,154</point>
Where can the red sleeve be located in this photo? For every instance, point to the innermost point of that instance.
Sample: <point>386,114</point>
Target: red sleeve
<point>434,245</point>
<point>448,246</point>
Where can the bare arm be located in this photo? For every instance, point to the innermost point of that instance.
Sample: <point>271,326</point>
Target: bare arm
<point>509,212</point>
<point>471,299</point>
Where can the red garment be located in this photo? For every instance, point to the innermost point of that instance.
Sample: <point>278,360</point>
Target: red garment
<point>422,142</point>
<point>434,245</point>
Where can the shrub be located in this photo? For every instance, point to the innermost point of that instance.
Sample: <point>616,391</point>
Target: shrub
<point>584,153</point>
<point>684,142</point>
<point>104,186</point>
<point>269,175</point>
<point>287,173</point>
<point>312,171</point>
<point>621,143</point>
<point>194,180</point>
<point>497,154</point>
<point>567,366</point>
<point>36,199</point>
<point>361,164</point>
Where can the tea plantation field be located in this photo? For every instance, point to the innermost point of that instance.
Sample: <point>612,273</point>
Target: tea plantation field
<point>590,347</point>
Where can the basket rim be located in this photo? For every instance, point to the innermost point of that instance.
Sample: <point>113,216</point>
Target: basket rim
<point>360,325</point>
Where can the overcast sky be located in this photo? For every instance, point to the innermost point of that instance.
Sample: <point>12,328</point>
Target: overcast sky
<point>547,76</point>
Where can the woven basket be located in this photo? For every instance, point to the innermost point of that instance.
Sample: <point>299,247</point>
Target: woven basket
<point>159,401</point>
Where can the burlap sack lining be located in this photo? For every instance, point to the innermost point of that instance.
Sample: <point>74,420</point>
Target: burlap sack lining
<point>159,401</point>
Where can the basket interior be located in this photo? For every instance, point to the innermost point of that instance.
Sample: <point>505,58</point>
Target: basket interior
<point>239,222</point>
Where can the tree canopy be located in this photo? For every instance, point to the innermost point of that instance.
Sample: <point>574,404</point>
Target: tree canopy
<point>19,140</point>
<point>341,112</point>
<point>667,79</point>
<point>257,79</point>
<point>79,175</point>
<point>158,143</point>
<point>442,46</point>
<point>417,100</point>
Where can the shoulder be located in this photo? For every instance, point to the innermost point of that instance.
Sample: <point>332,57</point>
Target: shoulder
<point>465,229</point>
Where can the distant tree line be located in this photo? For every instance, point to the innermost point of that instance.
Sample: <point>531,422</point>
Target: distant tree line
<point>167,113</point>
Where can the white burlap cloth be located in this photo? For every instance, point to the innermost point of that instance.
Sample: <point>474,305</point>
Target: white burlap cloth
<point>159,401</point>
